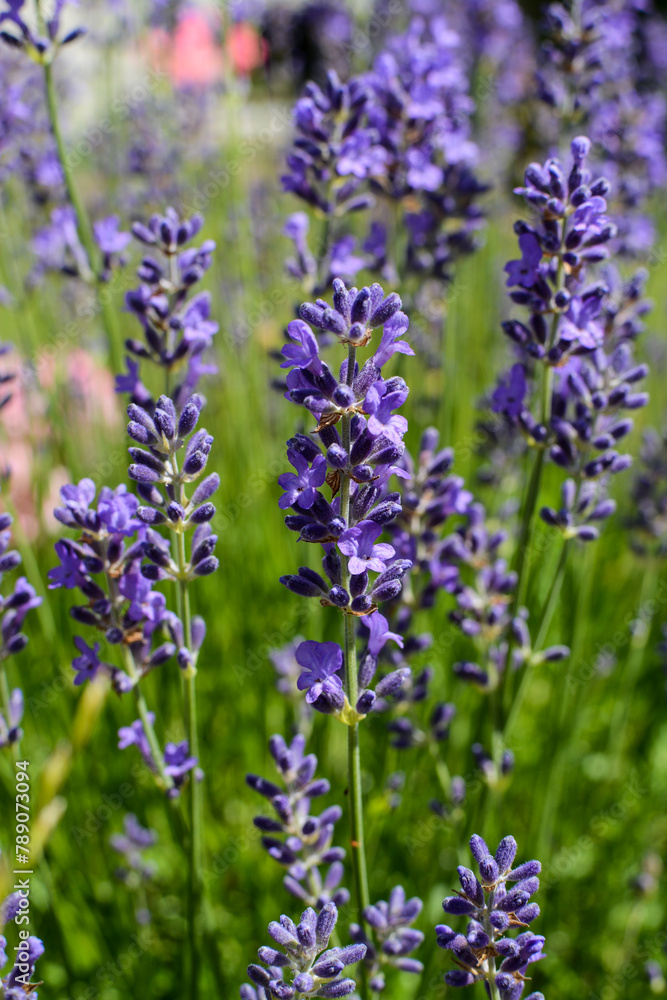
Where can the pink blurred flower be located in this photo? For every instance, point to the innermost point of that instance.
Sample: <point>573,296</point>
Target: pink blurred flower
<point>195,59</point>
<point>245,48</point>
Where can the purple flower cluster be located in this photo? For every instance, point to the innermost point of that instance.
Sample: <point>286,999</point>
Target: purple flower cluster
<point>131,844</point>
<point>401,132</point>
<point>649,495</point>
<point>390,939</point>
<point>361,459</point>
<point>14,606</point>
<point>465,561</point>
<point>306,844</point>
<point>492,909</point>
<point>177,761</point>
<point>177,328</point>
<point>135,872</point>
<point>105,565</point>
<point>304,966</point>
<point>16,984</point>
<point>593,75</point>
<point>38,47</point>
<point>575,331</point>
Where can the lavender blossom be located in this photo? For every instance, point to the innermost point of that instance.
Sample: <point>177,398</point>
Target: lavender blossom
<point>648,519</point>
<point>14,607</point>
<point>123,605</point>
<point>306,847</point>
<point>177,329</point>
<point>390,939</point>
<point>38,47</point>
<point>305,966</point>
<point>592,76</point>
<point>16,984</point>
<point>402,133</point>
<point>368,401</point>
<point>492,909</point>
<point>135,872</point>
<point>579,332</point>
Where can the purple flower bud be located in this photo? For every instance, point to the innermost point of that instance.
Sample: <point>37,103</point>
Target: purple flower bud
<point>506,853</point>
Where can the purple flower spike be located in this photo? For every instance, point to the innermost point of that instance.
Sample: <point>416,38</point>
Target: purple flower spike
<point>301,487</point>
<point>492,910</point>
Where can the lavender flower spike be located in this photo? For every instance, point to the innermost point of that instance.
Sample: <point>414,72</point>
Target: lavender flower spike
<point>306,846</point>
<point>14,607</point>
<point>491,909</point>
<point>390,939</point>
<point>305,966</point>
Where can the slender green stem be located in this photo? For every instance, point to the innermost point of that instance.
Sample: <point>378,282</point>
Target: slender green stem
<point>526,529</point>
<point>547,616</point>
<point>83,226</point>
<point>528,513</point>
<point>149,730</point>
<point>195,854</point>
<point>621,716</point>
<point>142,707</point>
<point>352,689</point>
<point>568,723</point>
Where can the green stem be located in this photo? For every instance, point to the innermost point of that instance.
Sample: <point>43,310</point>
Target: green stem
<point>83,226</point>
<point>567,725</point>
<point>533,491</point>
<point>352,689</point>
<point>526,529</point>
<point>142,707</point>
<point>547,616</point>
<point>195,854</point>
<point>635,658</point>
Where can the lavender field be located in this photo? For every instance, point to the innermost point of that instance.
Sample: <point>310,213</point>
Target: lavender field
<point>333,499</point>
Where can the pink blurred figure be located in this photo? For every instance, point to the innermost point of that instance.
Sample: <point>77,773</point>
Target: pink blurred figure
<point>195,59</point>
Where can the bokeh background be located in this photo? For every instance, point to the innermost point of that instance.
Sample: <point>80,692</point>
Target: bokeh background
<point>198,98</point>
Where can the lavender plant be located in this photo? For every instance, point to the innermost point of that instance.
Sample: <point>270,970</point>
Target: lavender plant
<point>177,327</point>
<point>401,133</point>
<point>14,607</point>
<point>484,953</point>
<point>593,77</point>
<point>306,846</point>
<point>306,966</point>
<point>580,342</point>
<point>121,552</point>
<point>70,243</point>
<point>17,982</point>
<point>359,461</point>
